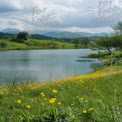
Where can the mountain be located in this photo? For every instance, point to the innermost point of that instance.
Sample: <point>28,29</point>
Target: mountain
<point>38,36</point>
<point>56,34</point>
<point>11,31</point>
<point>64,34</point>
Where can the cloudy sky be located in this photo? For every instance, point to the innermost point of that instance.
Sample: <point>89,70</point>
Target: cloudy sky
<point>62,15</point>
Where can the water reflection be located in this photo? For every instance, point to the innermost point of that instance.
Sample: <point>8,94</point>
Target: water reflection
<point>44,65</point>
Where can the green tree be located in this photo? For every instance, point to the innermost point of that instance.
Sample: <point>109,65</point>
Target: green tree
<point>118,28</point>
<point>76,41</point>
<point>117,42</point>
<point>85,41</point>
<point>3,44</point>
<point>92,45</point>
<point>22,37</point>
<point>53,45</point>
<point>7,37</point>
<point>105,42</point>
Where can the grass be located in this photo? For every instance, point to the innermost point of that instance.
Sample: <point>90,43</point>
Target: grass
<point>94,97</point>
<point>108,59</point>
<point>34,44</point>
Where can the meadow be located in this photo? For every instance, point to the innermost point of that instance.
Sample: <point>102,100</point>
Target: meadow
<point>94,97</point>
<point>34,44</point>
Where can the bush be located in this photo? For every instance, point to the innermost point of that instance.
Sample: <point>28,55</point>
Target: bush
<point>29,43</point>
<point>3,44</point>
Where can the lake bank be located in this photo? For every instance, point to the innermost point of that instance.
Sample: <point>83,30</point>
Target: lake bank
<point>84,99</point>
<point>32,44</point>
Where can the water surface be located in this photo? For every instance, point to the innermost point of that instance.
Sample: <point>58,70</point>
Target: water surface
<point>45,65</point>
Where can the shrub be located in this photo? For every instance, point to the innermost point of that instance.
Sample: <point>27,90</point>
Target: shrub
<point>3,44</point>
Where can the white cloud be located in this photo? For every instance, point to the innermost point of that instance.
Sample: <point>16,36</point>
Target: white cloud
<point>70,15</point>
<point>8,6</point>
<point>90,30</point>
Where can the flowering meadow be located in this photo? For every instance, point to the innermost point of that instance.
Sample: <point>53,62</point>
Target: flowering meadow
<point>95,97</point>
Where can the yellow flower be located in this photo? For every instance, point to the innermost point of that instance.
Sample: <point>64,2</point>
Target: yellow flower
<point>19,101</point>
<point>28,106</point>
<point>81,99</point>
<point>59,103</point>
<point>84,111</point>
<point>86,101</point>
<point>42,94</point>
<point>45,98</point>
<point>52,100</point>
<point>100,101</point>
<point>54,91</point>
<point>42,104</point>
<point>91,109</point>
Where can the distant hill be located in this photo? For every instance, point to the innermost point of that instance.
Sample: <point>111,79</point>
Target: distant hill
<point>37,36</point>
<point>72,34</point>
<point>11,31</point>
<point>56,35</point>
<point>33,36</point>
<point>62,34</point>
<point>2,35</point>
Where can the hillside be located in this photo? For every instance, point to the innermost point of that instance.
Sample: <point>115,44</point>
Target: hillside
<point>70,35</point>
<point>11,31</point>
<point>6,44</point>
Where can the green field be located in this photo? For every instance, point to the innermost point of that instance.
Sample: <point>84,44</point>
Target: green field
<point>95,97</point>
<point>35,44</point>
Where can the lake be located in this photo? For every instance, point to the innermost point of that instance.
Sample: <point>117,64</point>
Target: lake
<point>45,65</point>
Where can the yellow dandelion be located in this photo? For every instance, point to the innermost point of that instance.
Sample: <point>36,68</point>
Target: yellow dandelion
<point>42,104</point>
<point>91,109</point>
<point>54,91</point>
<point>59,103</point>
<point>45,98</point>
<point>19,101</point>
<point>86,101</point>
<point>81,99</point>
<point>42,94</point>
<point>52,100</point>
<point>84,111</point>
<point>28,106</point>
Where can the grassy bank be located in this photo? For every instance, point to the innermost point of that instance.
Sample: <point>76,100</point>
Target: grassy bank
<point>115,58</point>
<point>34,44</point>
<point>94,97</point>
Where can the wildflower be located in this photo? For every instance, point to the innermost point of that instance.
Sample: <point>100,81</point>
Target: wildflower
<point>19,101</point>
<point>86,101</point>
<point>45,98</point>
<point>28,106</point>
<point>52,100</point>
<point>84,111</point>
<point>100,101</point>
<point>54,91</point>
<point>42,94</point>
<point>42,104</point>
<point>91,109</point>
<point>59,103</point>
<point>81,99</point>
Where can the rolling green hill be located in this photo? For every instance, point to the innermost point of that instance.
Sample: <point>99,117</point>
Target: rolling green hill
<point>6,44</point>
